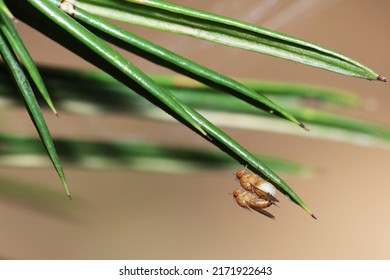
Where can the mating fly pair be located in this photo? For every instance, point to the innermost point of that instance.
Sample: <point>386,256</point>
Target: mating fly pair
<point>255,193</point>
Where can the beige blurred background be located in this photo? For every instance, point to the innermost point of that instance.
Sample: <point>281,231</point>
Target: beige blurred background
<point>138,215</point>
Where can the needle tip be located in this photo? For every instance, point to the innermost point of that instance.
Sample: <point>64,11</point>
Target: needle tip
<point>70,197</point>
<point>381,78</point>
<point>304,127</point>
<point>314,217</point>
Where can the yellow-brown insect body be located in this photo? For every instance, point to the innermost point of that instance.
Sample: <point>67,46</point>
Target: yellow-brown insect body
<point>254,183</point>
<point>248,180</point>
<point>241,197</point>
<point>249,200</point>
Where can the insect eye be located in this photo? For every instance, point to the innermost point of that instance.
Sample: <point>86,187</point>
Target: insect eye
<point>239,174</point>
<point>236,193</point>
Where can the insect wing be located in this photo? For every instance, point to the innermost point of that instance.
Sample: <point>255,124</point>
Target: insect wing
<point>265,195</point>
<point>262,211</point>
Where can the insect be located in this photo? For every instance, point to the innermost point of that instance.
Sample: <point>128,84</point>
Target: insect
<point>255,184</point>
<point>249,200</point>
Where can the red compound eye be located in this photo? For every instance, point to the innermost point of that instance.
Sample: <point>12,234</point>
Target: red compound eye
<point>240,173</point>
<point>236,193</point>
